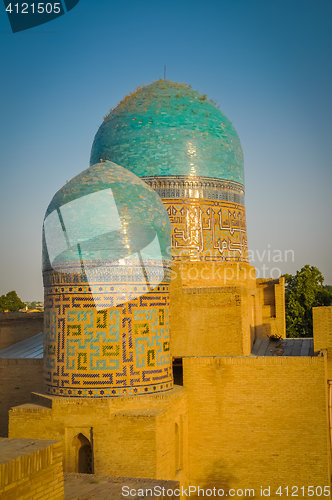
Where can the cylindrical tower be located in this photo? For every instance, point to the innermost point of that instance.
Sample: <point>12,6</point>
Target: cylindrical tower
<point>106,273</point>
<point>186,149</point>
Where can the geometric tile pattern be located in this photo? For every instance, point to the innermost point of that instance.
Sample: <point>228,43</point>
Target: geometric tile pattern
<point>122,350</point>
<point>207,230</point>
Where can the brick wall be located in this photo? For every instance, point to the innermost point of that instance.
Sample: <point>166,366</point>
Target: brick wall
<point>257,422</point>
<point>219,309</point>
<point>132,436</point>
<point>212,309</point>
<point>322,326</point>
<point>272,298</point>
<point>31,469</point>
<point>18,378</point>
<point>15,327</point>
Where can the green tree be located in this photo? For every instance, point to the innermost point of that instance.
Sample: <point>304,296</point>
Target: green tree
<point>11,302</point>
<point>303,291</point>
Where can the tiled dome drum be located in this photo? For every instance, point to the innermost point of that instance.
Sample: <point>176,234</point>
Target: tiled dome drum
<point>184,147</point>
<point>106,272</point>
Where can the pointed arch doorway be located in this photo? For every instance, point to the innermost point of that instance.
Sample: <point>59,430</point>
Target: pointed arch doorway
<point>84,454</point>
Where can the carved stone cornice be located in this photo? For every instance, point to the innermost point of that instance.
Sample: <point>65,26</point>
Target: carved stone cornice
<point>210,188</point>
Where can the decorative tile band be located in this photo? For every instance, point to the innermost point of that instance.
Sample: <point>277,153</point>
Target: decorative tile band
<point>207,230</point>
<point>148,273</point>
<point>107,352</point>
<point>180,186</point>
<point>111,392</point>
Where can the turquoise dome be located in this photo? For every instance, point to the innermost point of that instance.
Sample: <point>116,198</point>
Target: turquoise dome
<point>104,216</point>
<point>166,128</point>
<point>106,270</point>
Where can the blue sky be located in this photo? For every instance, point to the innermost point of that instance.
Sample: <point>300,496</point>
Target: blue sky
<point>267,64</point>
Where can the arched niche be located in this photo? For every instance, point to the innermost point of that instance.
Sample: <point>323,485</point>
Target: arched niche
<point>84,454</point>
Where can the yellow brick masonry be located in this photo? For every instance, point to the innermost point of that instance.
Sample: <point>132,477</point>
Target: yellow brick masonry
<point>217,309</point>
<point>322,319</point>
<point>257,421</point>
<point>322,324</point>
<point>211,308</point>
<point>18,378</point>
<point>272,299</point>
<point>17,326</point>
<point>31,470</point>
<point>132,436</point>
<point>280,317</point>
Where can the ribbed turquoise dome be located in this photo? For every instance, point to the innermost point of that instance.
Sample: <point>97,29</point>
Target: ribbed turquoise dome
<point>106,270</point>
<point>104,214</point>
<point>166,128</point>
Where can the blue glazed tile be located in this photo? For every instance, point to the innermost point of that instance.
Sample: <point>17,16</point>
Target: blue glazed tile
<point>166,128</point>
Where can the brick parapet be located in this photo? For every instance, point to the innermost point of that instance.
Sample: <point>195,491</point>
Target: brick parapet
<point>322,326</point>
<point>17,326</point>
<point>18,378</point>
<point>31,469</point>
<point>132,435</point>
<point>106,403</point>
<point>257,421</point>
<point>255,360</point>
